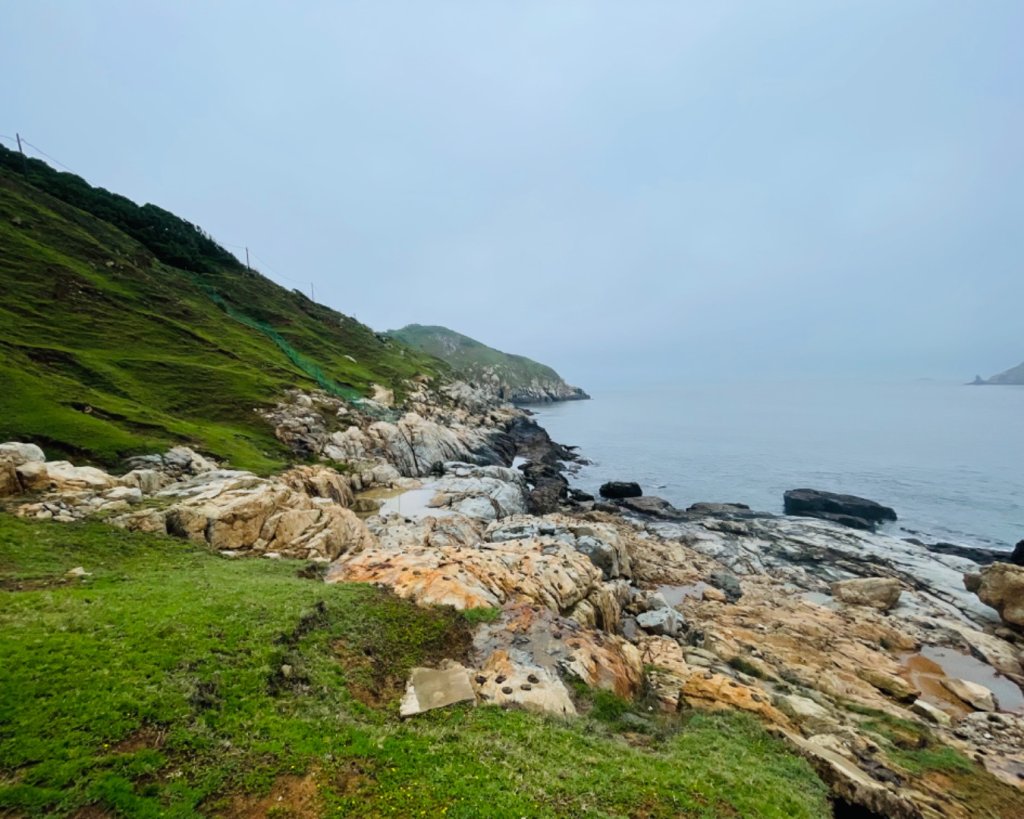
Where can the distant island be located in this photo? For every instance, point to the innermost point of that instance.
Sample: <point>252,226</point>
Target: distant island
<point>509,377</point>
<point>1013,376</point>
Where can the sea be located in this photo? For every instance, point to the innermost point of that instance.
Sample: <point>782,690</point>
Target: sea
<point>948,458</point>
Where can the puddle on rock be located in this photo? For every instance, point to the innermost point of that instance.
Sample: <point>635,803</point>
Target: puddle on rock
<point>926,670</point>
<point>408,503</point>
<point>819,599</point>
<point>674,595</point>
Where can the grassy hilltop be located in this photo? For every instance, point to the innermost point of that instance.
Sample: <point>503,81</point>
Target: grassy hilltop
<point>124,329</point>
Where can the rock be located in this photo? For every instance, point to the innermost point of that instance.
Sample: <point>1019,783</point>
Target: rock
<point>931,713</point>
<point>531,687</point>
<point>728,584</point>
<point>16,453</point>
<point>1017,556</point>
<point>430,688</point>
<point>601,554</point>
<point>129,494</point>
<point>852,511</point>
<point>238,511</point>
<point>880,593</point>
<point>978,554</point>
<point>63,477</point>
<point>620,489</point>
<point>976,696</point>
<point>78,571</point>
<point>1000,586</point>
<point>547,572</point>
<point>653,506</point>
<point>891,685</point>
<point>663,621</point>
<point>812,718</point>
<point>320,482</point>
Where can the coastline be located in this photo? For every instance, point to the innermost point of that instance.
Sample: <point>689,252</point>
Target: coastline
<point>817,630</point>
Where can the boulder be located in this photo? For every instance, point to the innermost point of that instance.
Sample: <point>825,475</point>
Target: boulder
<point>1000,586</point>
<point>976,696</point>
<point>661,621</point>
<point>17,453</point>
<point>616,490</point>
<point>849,510</point>
<point>880,593</point>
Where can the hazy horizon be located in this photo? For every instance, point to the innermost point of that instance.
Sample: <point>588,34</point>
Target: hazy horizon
<point>639,193</point>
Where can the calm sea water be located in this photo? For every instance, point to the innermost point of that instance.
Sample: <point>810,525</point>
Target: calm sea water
<point>948,458</point>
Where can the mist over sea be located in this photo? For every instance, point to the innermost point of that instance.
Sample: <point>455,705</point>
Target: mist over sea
<point>949,458</point>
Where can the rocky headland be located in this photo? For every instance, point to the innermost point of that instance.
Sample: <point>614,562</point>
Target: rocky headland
<point>1012,376</point>
<point>503,376</point>
<point>861,649</point>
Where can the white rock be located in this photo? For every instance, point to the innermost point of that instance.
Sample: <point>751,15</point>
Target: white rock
<point>976,696</point>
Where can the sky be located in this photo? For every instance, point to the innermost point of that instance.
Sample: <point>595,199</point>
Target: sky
<point>630,192</point>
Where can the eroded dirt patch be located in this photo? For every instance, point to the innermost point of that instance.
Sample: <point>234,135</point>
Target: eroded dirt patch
<point>290,797</point>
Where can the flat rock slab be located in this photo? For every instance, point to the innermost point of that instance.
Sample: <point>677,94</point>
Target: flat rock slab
<point>976,696</point>
<point>430,688</point>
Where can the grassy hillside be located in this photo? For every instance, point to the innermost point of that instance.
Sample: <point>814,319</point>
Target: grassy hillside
<point>481,364</point>
<point>183,708</point>
<point>108,349</point>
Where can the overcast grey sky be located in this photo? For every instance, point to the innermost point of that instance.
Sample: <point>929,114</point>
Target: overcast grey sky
<point>626,191</point>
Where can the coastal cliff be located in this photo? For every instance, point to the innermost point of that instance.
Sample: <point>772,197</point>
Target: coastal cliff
<point>508,377</point>
<point>1012,376</point>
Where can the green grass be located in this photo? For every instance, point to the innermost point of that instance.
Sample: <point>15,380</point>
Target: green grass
<point>157,686</point>
<point>105,351</point>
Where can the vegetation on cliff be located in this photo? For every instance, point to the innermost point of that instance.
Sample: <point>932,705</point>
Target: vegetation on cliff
<point>512,377</point>
<point>173,682</point>
<point>126,330</point>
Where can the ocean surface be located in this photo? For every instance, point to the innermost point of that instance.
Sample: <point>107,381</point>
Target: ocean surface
<point>948,458</point>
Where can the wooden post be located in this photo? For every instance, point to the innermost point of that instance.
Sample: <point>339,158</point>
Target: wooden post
<point>24,161</point>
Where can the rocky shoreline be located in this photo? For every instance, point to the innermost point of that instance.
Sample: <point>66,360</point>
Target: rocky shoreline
<point>823,631</point>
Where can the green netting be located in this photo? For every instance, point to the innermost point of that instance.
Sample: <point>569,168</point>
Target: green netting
<point>311,369</point>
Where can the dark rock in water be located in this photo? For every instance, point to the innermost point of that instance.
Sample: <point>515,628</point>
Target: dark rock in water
<point>852,521</point>
<point>650,505</point>
<point>849,510</point>
<point>1017,558</point>
<point>703,508</point>
<point>728,584</point>
<point>620,489</point>
<point>580,496</point>
<point>979,554</point>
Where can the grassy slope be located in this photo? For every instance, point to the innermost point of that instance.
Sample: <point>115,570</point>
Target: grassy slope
<point>92,320</point>
<point>470,358</point>
<point>150,689</point>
